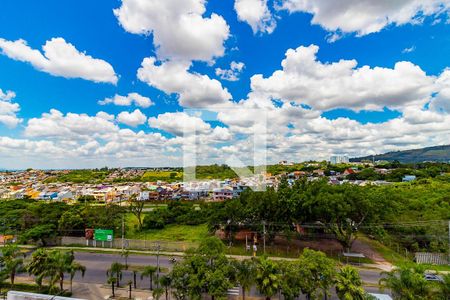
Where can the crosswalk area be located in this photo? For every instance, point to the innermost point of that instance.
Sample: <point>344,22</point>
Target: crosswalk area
<point>233,291</point>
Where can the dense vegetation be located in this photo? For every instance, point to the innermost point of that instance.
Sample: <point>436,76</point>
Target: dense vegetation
<point>413,214</point>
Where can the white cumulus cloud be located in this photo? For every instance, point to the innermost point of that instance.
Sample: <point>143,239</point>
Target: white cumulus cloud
<point>131,98</point>
<point>60,59</point>
<point>257,14</point>
<point>180,31</point>
<point>133,119</point>
<point>232,74</point>
<point>366,16</point>
<point>8,109</point>
<point>306,80</point>
<point>195,90</point>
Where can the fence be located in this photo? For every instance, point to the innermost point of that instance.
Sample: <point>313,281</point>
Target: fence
<point>166,246</point>
<point>432,258</point>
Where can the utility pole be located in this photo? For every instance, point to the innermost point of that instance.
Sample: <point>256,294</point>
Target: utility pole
<point>158,248</point>
<point>123,233</point>
<point>264,237</point>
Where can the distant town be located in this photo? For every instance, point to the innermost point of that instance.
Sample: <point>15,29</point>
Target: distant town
<point>216,183</point>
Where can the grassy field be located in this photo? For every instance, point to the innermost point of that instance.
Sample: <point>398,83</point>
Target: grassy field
<point>175,233</point>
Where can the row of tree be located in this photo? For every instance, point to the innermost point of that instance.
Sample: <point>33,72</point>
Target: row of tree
<point>344,211</point>
<point>51,265</point>
<point>207,271</point>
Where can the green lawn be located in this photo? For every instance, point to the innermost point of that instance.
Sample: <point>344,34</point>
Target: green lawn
<point>174,232</point>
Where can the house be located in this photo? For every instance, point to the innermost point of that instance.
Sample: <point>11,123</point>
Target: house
<point>349,171</point>
<point>65,196</point>
<point>221,194</point>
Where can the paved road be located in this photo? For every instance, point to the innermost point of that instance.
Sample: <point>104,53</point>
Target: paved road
<point>98,263</point>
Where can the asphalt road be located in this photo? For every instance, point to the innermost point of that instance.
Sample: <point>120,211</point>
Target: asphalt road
<point>98,263</point>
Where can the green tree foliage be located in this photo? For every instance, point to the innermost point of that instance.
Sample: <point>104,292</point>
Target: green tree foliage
<point>349,284</point>
<point>205,270</point>
<point>268,277</point>
<point>245,275</point>
<point>407,283</point>
<point>115,270</point>
<point>317,273</point>
<point>11,261</point>
<point>149,271</point>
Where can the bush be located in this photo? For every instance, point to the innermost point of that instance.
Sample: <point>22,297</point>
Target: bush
<point>153,221</point>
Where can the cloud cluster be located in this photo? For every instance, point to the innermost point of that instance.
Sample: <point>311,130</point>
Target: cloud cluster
<point>180,31</point>
<point>342,84</point>
<point>132,119</point>
<point>60,59</point>
<point>195,90</point>
<point>257,14</point>
<point>366,16</point>
<point>8,109</point>
<point>130,99</point>
<point>231,74</point>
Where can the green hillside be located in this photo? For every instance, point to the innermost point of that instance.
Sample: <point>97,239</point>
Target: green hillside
<point>437,153</point>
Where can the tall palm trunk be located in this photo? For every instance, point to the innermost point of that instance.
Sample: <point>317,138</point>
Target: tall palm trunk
<point>112,288</point>
<point>151,283</point>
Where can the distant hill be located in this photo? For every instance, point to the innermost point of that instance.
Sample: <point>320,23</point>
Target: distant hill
<point>437,153</point>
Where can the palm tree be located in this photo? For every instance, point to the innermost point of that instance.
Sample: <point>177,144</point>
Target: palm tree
<point>125,253</point>
<point>267,277</point>
<point>245,275</point>
<point>112,281</point>
<point>115,271</point>
<point>12,261</point>
<point>39,266</point>
<point>157,293</point>
<point>407,282</point>
<point>149,271</point>
<point>61,263</point>
<point>73,269</point>
<point>349,284</point>
<point>130,283</point>
<point>166,282</point>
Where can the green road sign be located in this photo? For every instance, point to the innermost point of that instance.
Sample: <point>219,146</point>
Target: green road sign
<point>103,235</point>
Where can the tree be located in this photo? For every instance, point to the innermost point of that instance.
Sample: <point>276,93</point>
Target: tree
<point>166,282</point>
<point>149,271</point>
<point>245,275</point>
<point>130,283</point>
<point>157,293</point>
<point>71,223</point>
<point>317,273</point>
<point>61,263</point>
<point>39,233</point>
<point>444,288</point>
<point>289,280</point>
<point>136,208</point>
<point>112,281</point>
<point>12,261</point>
<point>349,284</point>
<point>39,266</point>
<point>125,253</point>
<point>115,270</point>
<point>74,268</point>
<point>407,282</point>
<point>267,277</point>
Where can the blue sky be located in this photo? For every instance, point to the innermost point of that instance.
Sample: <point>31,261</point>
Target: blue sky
<point>254,33</point>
